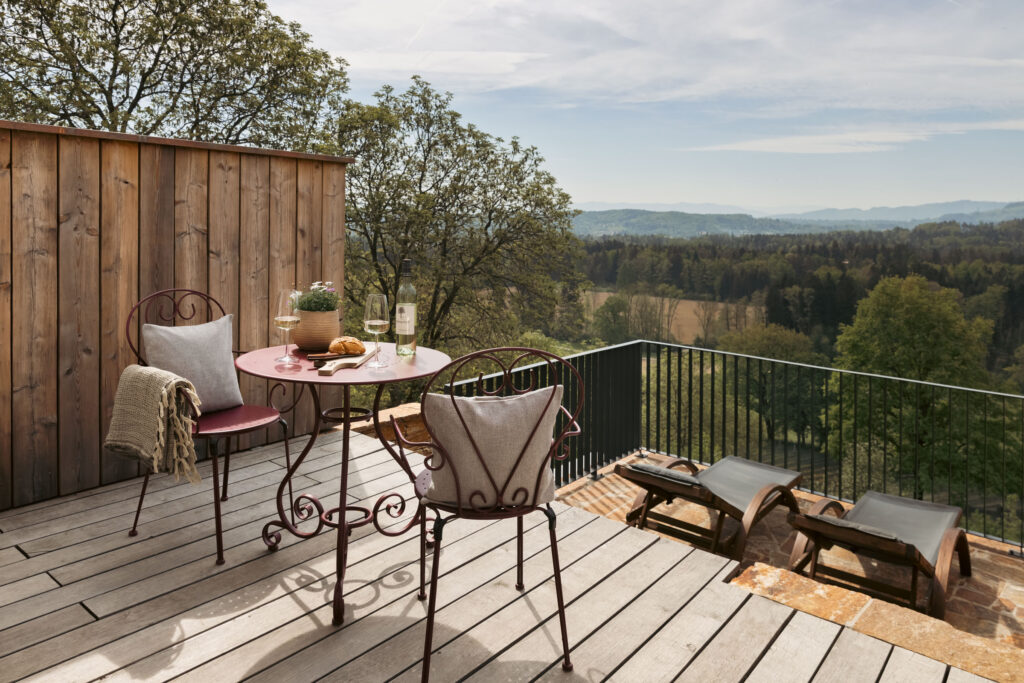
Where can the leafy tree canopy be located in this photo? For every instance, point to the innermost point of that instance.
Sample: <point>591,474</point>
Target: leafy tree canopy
<point>214,70</point>
<point>910,327</point>
<point>487,227</point>
<point>773,341</point>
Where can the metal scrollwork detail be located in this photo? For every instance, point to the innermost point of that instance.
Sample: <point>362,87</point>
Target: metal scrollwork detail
<point>393,506</point>
<point>305,507</point>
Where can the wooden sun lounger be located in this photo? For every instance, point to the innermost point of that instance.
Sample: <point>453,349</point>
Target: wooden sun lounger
<point>902,531</point>
<point>742,489</point>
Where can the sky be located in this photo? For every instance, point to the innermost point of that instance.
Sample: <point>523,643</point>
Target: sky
<point>762,104</point>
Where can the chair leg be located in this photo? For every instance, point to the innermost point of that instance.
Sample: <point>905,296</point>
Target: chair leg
<point>216,502</point>
<point>422,512</point>
<point>519,553</point>
<point>566,664</point>
<point>432,603</point>
<point>227,466</point>
<point>135,524</point>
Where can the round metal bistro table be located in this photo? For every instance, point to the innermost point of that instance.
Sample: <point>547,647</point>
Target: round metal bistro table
<point>262,363</point>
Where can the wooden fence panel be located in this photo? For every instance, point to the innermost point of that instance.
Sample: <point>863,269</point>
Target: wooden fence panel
<point>282,243</point>
<point>191,188</point>
<point>6,482</point>
<point>119,278</point>
<point>78,312</point>
<point>332,248</point>
<point>156,218</point>
<point>254,308</point>
<point>91,221</point>
<point>309,188</point>
<point>34,316</point>
<point>224,234</point>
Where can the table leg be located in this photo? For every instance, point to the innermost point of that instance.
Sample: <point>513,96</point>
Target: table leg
<point>305,506</point>
<point>341,557</point>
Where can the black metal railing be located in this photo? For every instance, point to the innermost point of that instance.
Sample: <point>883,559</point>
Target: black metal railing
<point>610,417</point>
<point>846,431</point>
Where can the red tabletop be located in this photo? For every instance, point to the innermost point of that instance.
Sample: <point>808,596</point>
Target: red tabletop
<point>261,363</point>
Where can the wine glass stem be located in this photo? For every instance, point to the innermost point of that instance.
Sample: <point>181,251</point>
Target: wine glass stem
<point>376,349</point>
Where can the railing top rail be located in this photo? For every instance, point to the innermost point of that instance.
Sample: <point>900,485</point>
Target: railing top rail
<point>821,367</point>
<point>809,366</point>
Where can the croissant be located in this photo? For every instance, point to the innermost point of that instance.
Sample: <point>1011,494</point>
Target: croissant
<point>347,345</point>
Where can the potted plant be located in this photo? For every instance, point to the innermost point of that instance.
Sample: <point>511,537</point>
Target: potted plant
<point>317,309</point>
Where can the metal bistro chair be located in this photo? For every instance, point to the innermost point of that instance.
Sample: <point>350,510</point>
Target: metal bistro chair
<point>491,453</point>
<point>170,306</point>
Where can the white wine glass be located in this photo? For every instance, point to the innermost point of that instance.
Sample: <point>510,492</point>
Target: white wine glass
<point>376,321</point>
<point>287,319</point>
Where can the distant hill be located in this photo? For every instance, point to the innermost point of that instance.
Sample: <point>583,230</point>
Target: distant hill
<point>679,224</point>
<point>920,213</point>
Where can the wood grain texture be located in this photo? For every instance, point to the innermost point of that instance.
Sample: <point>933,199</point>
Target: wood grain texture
<point>34,317</point>
<point>6,484</point>
<point>78,313</point>
<point>309,189</point>
<point>224,234</point>
<point>854,657</point>
<point>156,218</point>
<point>281,264</point>
<point>254,306</point>
<point>332,248</point>
<point>104,219</point>
<point>119,247</point>
<point>191,227</point>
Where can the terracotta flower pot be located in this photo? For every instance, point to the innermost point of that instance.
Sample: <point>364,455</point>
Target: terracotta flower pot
<point>316,330</point>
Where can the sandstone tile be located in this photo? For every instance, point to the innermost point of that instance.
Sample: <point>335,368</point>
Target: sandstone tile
<point>939,640</point>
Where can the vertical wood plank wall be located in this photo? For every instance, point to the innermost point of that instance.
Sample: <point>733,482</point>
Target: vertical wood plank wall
<point>89,223</point>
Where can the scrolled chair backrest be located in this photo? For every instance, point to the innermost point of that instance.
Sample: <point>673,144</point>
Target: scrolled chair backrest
<point>492,449</point>
<point>169,307</point>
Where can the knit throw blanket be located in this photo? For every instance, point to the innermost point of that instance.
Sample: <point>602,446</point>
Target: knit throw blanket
<point>152,420</point>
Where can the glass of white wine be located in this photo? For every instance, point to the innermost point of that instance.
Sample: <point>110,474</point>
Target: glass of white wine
<point>376,321</point>
<point>287,319</point>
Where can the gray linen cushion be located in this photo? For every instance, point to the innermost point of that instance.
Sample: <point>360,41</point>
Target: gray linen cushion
<point>202,355</point>
<point>500,427</point>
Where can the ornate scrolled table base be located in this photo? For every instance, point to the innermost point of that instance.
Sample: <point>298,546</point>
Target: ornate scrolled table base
<point>306,507</point>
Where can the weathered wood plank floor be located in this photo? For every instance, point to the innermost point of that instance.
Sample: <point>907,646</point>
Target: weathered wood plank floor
<point>80,600</point>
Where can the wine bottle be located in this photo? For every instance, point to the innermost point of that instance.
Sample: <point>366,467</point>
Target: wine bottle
<point>405,312</point>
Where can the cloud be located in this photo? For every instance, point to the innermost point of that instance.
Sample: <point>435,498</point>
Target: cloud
<point>858,140</point>
<point>923,55</point>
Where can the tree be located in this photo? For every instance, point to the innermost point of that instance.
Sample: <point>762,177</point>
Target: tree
<point>909,327</point>
<point>611,319</point>
<point>488,228</point>
<point>909,435</point>
<point>209,70</point>
<point>782,396</point>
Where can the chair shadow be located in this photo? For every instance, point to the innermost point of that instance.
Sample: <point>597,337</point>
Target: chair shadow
<point>470,651</point>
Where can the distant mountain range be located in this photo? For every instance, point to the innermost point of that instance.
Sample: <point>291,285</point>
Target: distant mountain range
<point>683,224</point>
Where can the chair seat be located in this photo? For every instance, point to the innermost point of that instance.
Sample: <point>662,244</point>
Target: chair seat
<point>915,522</point>
<point>736,480</point>
<point>236,420</point>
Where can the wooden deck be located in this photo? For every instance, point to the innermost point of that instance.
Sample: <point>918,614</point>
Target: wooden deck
<point>80,600</point>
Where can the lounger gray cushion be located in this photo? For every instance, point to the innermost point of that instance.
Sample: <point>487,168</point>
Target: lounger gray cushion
<point>500,427</point>
<point>737,481</point>
<point>666,473</point>
<point>847,524</point>
<point>202,355</point>
<point>916,522</point>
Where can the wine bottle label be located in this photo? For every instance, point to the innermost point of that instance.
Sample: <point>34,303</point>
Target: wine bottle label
<point>405,318</point>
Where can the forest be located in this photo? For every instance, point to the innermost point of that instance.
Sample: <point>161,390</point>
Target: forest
<point>812,283</point>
